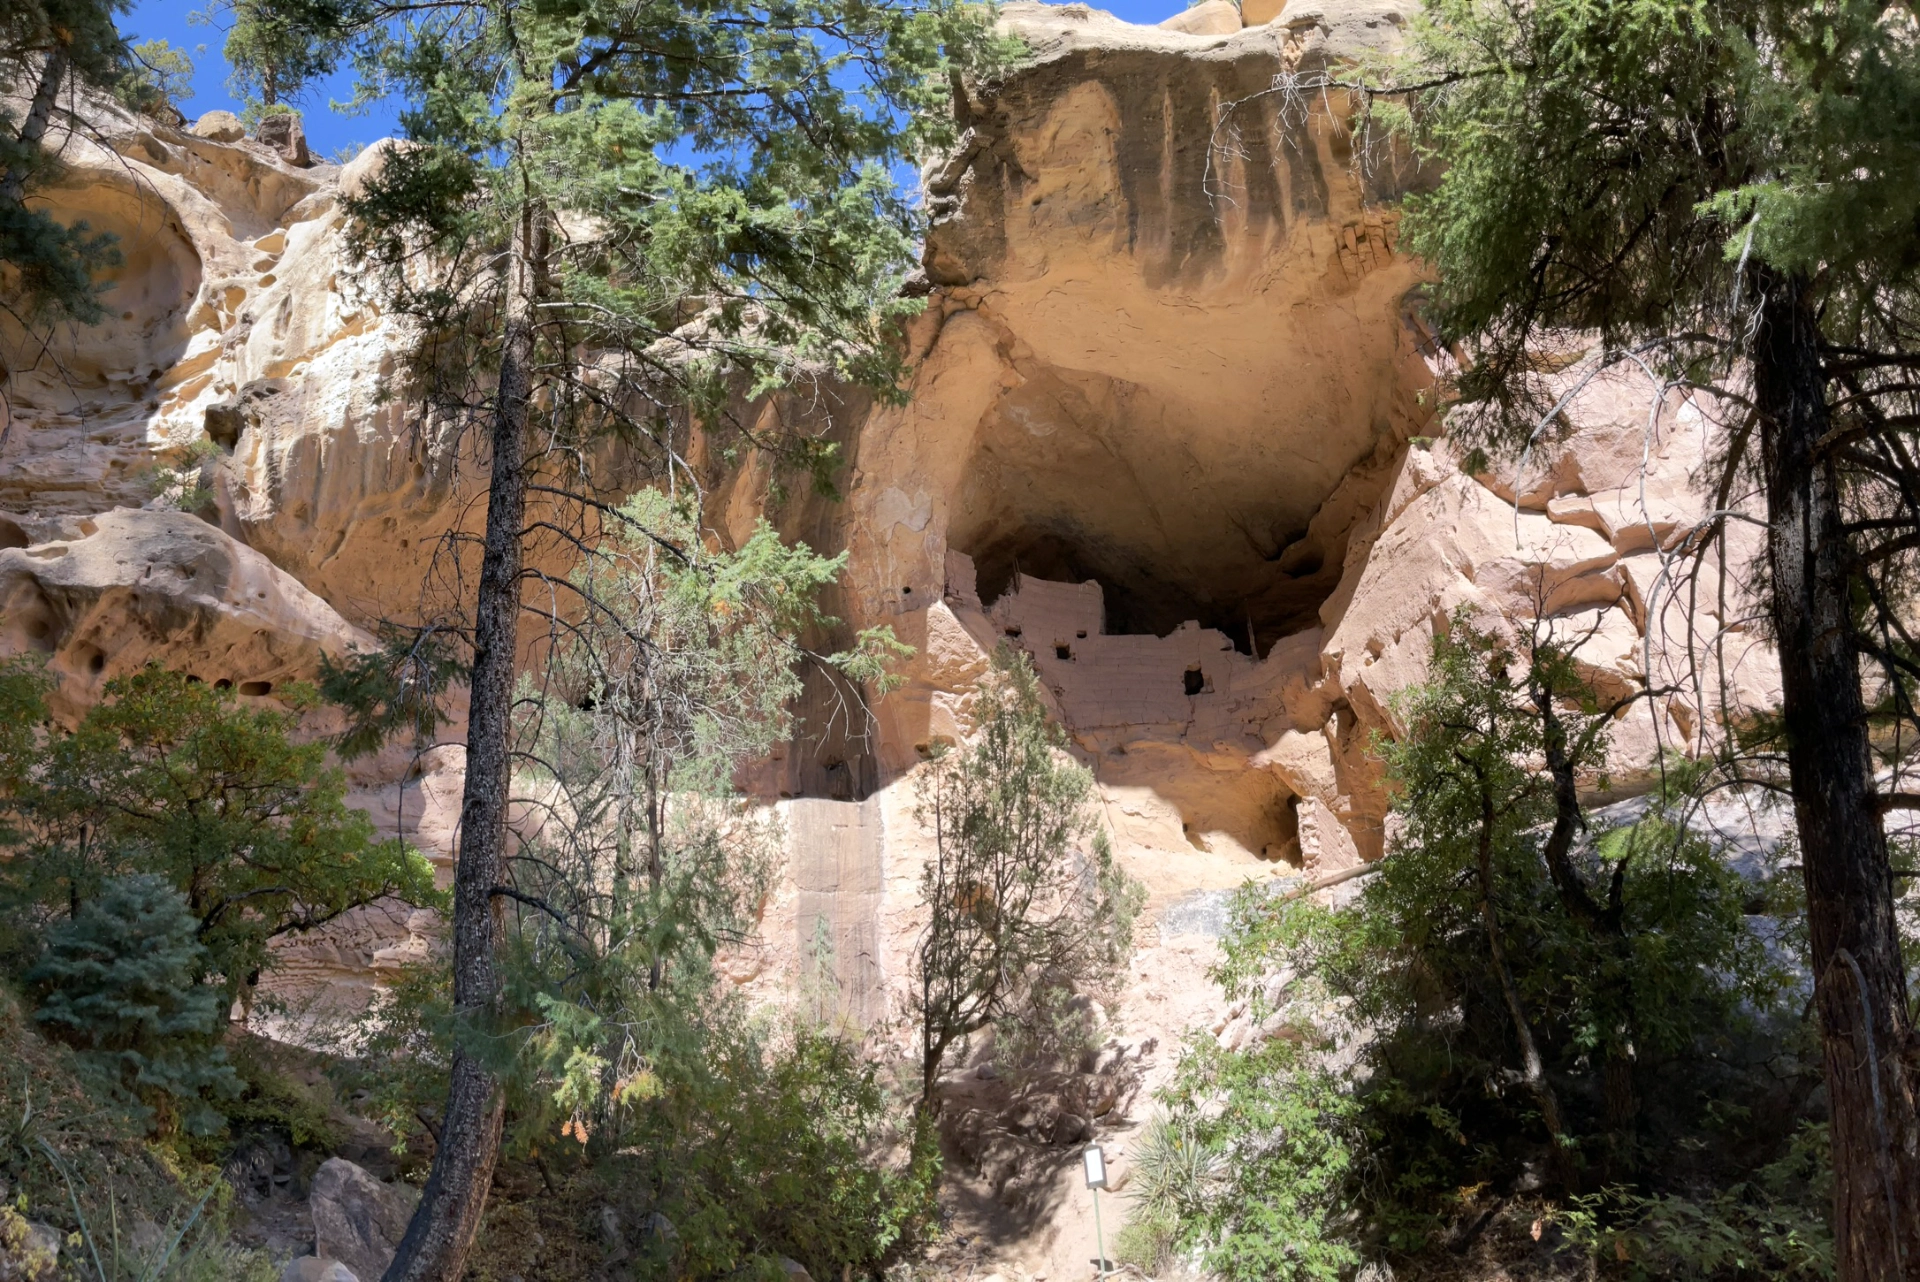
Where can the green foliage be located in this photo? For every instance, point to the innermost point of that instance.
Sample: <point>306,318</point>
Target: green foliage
<point>1773,1225</point>
<point>1146,1241</point>
<point>179,779</point>
<point>394,690</point>
<point>685,668</point>
<point>752,1139</point>
<point>74,1154</point>
<point>668,134</point>
<point>48,268</point>
<point>120,981</point>
<point>1681,960</point>
<point>628,1071</point>
<point>184,485</point>
<point>1397,1084</point>
<point>157,73</point>
<point>1264,1160</point>
<point>1611,168</point>
<point>277,47</point>
<point>767,1149</point>
<point>1027,906</point>
<point>273,1098</point>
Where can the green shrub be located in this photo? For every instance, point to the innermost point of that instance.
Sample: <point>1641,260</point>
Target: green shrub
<point>1774,1225</point>
<point>272,1097</point>
<point>119,982</point>
<point>778,1148</point>
<point>74,1154</point>
<point>1513,1005</point>
<point>186,781</point>
<point>1254,1163</point>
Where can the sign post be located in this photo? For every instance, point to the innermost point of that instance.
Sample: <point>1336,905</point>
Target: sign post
<point>1095,1162</point>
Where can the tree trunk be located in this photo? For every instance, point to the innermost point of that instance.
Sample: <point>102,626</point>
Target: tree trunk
<point>13,183</point>
<point>1533,1070</point>
<point>443,1227</point>
<point>1860,988</point>
<point>1604,922</point>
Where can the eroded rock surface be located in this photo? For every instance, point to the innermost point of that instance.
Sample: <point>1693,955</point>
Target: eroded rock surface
<point>1172,434</point>
<point>130,587</point>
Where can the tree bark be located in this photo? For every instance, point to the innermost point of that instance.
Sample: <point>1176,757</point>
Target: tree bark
<point>13,183</point>
<point>444,1226</point>
<point>1533,1070</point>
<point>1860,990</point>
<point>1605,922</point>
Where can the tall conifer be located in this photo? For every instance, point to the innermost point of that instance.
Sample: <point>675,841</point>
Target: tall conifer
<point>1722,195</point>
<point>609,220</point>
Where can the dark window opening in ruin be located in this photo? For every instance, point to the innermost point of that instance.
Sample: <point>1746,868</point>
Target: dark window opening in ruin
<point>1013,632</point>
<point>1062,652</point>
<point>256,689</point>
<point>906,591</point>
<point>1195,681</point>
<point>1080,635</point>
<point>224,683</point>
<point>1254,605</point>
<point>98,663</point>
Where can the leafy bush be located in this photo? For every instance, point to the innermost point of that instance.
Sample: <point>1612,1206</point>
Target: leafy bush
<point>1773,1226</point>
<point>1254,1163</point>
<point>1512,1005</point>
<point>774,1146</point>
<point>752,1140</point>
<point>179,779</point>
<point>119,982</point>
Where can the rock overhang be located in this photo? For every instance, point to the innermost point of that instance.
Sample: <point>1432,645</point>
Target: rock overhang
<point>1199,310</point>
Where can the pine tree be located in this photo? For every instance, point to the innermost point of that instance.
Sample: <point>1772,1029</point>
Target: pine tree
<point>46,266</point>
<point>632,212</point>
<point>120,981</point>
<point>1025,903</point>
<point>278,47</point>
<point>1722,195</point>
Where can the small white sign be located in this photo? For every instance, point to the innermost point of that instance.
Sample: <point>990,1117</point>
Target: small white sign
<point>1096,1163</point>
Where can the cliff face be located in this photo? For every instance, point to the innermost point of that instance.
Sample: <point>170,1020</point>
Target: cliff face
<point>1171,433</point>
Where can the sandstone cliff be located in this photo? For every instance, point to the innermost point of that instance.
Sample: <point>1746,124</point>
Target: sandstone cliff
<point>1172,432</point>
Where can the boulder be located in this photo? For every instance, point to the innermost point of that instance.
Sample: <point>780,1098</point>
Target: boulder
<point>29,1252</point>
<point>357,1220</point>
<point>313,1268</point>
<point>287,136</point>
<point>1208,18</point>
<point>220,126</point>
<point>139,587</point>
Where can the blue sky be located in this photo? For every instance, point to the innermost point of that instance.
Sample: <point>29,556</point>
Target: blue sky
<point>329,131</point>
